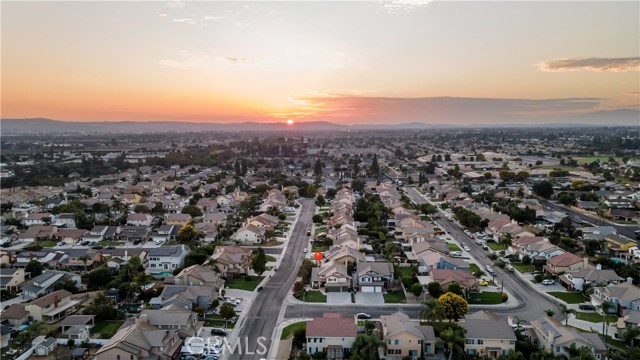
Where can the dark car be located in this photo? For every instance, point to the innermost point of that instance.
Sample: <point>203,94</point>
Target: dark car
<point>308,233</point>
<point>110,247</point>
<point>97,247</point>
<point>218,332</point>
<point>259,288</point>
<point>586,307</point>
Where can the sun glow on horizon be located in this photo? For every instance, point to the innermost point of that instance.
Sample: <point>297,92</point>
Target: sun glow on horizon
<point>289,122</point>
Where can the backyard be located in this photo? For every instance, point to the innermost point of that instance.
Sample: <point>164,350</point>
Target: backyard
<point>248,283</point>
<point>106,329</point>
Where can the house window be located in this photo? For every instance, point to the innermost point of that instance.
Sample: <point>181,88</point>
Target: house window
<point>471,341</point>
<point>512,342</point>
<point>397,341</point>
<point>117,357</point>
<point>480,342</point>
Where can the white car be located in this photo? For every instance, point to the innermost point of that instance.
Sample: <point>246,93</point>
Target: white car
<point>305,250</point>
<point>456,253</point>
<point>548,282</point>
<point>363,316</point>
<point>466,248</point>
<point>479,242</point>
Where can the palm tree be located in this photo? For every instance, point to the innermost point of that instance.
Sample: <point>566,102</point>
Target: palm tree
<point>84,259</point>
<point>432,312</point>
<point>566,311</point>
<point>452,340</point>
<point>506,241</point>
<point>604,307</point>
<point>630,334</point>
<point>549,312</point>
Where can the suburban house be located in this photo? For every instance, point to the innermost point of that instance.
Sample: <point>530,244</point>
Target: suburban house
<point>624,296</point>
<point>139,219</point>
<point>445,277</point>
<point>488,337</point>
<point>199,275</point>
<point>566,262</point>
<point>163,260</point>
<point>174,317</point>
<point>185,296</point>
<point>404,337</point>
<point>551,335</point>
<point>11,278</point>
<point>71,236</point>
<point>65,220</point>
<point>576,280</point>
<point>134,233</point>
<point>332,276</point>
<point>38,232</point>
<point>44,283</point>
<point>630,319</point>
<point>77,326</point>
<point>15,315</point>
<point>331,334</point>
<point>232,260</point>
<point>343,255</point>
<point>617,244</point>
<point>264,220</point>
<point>165,233</point>
<point>100,232</point>
<point>38,219</point>
<point>374,276</point>
<point>179,220</point>
<point>52,307</point>
<point>141,340</point>
<point>249,234</point>
<point>44,346</point>
<point>215,218</point>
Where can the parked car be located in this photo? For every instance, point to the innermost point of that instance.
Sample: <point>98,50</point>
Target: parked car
<point>485,247</point>
<point>466,248</point>
<point>483,283</point>
<point>305,250</point>
<point>97,247</point>
<point>259,288</point>
<point>218,332</point>
<point>586,307</point>
<point>363,316</point>
<point>456,253</point>
<point>548,282</point>
<point>479,242</point>
<point>510,268</point>
<point>517,327</point>
<point>308,233</point>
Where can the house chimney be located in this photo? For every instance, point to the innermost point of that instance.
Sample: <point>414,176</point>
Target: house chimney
<point>630,280</point>
<point>598,267</point>
<point>126,253</point>
<point>30,255</point>
<point>585,262</point>
<point>549,339</point>
<point>55,300</point>
<point>142,318</point>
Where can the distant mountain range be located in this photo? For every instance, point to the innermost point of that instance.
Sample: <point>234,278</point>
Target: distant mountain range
<point>621,117</point>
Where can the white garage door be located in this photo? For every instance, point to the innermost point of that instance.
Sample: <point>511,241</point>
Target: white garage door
<point>368,289</point>
<point>378,289</point>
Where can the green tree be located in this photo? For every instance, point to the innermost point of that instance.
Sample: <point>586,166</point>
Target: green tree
<point>305,270</point>
<point>630,334</point>
<point>98,278</point>
<point>192,210</point>
<point>435,289</point>
<point>543,189</point>
<point>259,262</point>
<point>565,312</point>
<point>416,289</point>
<point>375,167</point>
<point>431,312</point>
<point>567,198</point>
<point>455,288</point>
<point>317,167</point>
<point>227,312</point>
<point>455,306</point>
<point>34,267</point>
<point>454,340</point>
<point>365,347</point>
<point>141,209</point>
<point>506,240</point>
<point>180,191</point>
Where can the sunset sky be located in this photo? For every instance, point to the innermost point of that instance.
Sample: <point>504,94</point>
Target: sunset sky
<point>344,62</point>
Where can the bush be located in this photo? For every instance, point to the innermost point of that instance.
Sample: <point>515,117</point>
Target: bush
<point>416,289</point>
<point>526,260</point>
<point>500,263</point>
<point>504,297</point>
<point>492,256</point>
<point>282,217</point>
<point>538,278</point>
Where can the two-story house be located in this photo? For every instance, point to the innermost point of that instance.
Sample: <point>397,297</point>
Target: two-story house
<point>185,296</point>
<point>623,296</point>
<point>141,340</point>
<point>52,307</point>
<point>566,262</point>
<point>576,280</point>
<point>199,275</point>
<point>100,233</point>
<point>178,220</point>
<point>332,276</point>
<point>551,335</point>
<point>11,278</point>
<point>164,260</point>
<point>405,338</point>
<point>249,234</point>
<point>331,334</point>
<point>231,261</point>
<point>488,337</point>
<point>44,283</point>
<point>39,219</point>
<point>139,220</point>
<point>172,317</point>
<point>165,233</point>
<point>374,276</point>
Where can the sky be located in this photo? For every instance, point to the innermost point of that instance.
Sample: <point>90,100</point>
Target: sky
<point>363,62</point>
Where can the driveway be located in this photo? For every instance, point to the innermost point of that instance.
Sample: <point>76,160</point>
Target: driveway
<point>369,298</point>
<point>337,298</point>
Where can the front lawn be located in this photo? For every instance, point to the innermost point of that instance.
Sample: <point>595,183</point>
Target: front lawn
<point>106,329</point>
<point>248,283</point>
<point>495,246</point>
<point>453,247</point>
<point>110,243</point>
<point>214,320</point>
<point>271,258</point>
<point>473,268</point>
<point>48,243</point>
<point>394,297</point>
<point>523,268</point>
<point>569,297</point>
<point>313,297</point>
<point>594,317</point>
<point>485,298</point>
<point>319,248</point>
<point>317,231</point>
<point>290,329</point>
<point>271,243</point>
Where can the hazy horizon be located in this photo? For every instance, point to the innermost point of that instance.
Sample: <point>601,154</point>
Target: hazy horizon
<point>458,63</point>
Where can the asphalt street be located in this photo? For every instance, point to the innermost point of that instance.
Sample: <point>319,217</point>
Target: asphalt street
<point>263,314</point>
<point>626,230</point>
